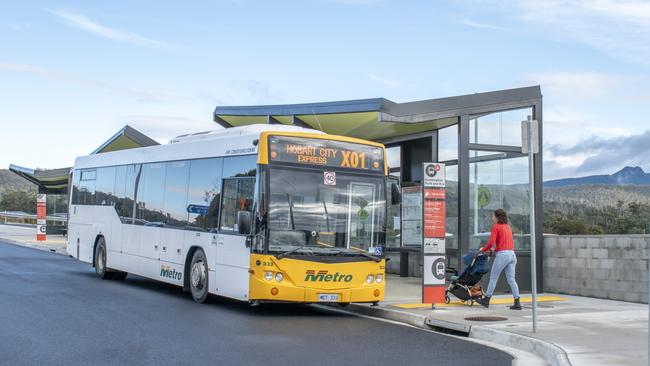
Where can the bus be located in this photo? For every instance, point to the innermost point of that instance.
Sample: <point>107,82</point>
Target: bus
<point>258,213</point>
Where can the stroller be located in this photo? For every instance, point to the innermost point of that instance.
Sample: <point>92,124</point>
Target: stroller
<point>466,287</point>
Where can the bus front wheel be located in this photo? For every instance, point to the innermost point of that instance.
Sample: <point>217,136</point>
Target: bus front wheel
<point>199,276</point>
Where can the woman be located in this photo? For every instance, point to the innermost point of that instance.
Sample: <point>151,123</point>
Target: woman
<point>505,258</point>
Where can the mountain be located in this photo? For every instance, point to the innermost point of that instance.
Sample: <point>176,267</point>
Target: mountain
<point>626,176</point>
<point>12,182</point>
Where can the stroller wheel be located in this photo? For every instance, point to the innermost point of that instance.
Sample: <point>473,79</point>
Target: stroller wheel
<point>447,299</point>
<point>470,302</point>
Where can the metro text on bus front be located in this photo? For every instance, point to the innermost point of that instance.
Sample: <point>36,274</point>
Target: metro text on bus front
<point>255,213</point>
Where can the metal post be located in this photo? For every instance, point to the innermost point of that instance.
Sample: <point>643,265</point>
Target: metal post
<point>533,254</point>
<point>463,185</point>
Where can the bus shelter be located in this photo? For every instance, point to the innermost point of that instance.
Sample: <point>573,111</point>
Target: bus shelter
<point>477,136</point>
<point>55,182</point>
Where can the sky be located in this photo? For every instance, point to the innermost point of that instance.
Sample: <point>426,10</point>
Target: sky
<point>72,73</point>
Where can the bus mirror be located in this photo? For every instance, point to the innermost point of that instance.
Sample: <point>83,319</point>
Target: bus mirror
<point>244,222</point>
<point>395,194</point>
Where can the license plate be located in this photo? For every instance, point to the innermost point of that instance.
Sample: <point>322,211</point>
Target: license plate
<point>328,297</point>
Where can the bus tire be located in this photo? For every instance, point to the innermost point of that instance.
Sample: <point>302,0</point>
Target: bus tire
<point>100,260</point>
<point>199,276</point>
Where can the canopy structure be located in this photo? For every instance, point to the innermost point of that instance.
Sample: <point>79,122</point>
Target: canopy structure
<point>378,119</point>
<point>55,181</point>
<point>478,138</point>
<point>126,138</point>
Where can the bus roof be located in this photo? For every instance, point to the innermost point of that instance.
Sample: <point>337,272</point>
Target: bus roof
<point>224,142</point>
<point>255,129</point>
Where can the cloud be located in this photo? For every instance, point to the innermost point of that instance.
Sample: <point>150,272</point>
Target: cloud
<point>384,81</point>
<point>575,83</point>
<point>164,128</point>
<point>154,95</point>
<point>358,2</point>
<point>598,155</point>
<point>619,28</point>
<point>84,23</point>
<point>19,26</point>
<point>474,24</point>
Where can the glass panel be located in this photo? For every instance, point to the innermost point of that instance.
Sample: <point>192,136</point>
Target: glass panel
<point>237,196</point>
<point>87,187</point>
<point>499,183</point>
<point>105,186</point>
<point>394,219</point>
<point>361,220</point>
<point>394,154</point>
<point>175,204</point>
<point>88,174</point>
<point>120,191</point>
<point>125,186</point>
<point>448,143</point>
<point>240,166</point>
<point>204,194</point>
<point>500,128</point>
<point>412,216</point>
<point>341,217</point>
<point>150,195</point>
<point>76,193</point>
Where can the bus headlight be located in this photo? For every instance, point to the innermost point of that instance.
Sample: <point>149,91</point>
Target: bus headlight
<point>370,279</point>
<point>279,277</point>
<point>268,275</point>
<point>379,278</point>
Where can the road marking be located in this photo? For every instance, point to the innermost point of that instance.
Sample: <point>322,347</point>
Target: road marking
<point>494,301</point>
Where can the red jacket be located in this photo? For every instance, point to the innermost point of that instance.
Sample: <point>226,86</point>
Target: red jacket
<point>501,236</point>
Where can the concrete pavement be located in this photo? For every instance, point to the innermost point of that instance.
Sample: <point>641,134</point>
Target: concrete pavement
<point>56,312</point>
<point>25,235</point>
<point>580,330</point>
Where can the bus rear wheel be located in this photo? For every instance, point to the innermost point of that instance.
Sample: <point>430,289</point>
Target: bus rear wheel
<point>100,260</point>
<point>199,276</point>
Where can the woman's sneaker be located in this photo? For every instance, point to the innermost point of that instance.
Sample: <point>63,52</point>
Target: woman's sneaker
<point>516,305</point>
<point>485,301</point>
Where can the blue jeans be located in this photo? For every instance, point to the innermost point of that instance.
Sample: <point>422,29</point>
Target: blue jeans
<point>505,259</point>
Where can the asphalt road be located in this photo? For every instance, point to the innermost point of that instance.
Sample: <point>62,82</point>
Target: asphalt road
<point>54,311</point>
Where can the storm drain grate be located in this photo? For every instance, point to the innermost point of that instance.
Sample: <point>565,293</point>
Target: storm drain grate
<point>486,318</point>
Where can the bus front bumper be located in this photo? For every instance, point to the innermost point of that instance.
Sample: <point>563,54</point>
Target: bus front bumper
<point>274,291</point>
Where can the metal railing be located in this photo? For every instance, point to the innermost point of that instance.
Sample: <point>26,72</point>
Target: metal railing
<point>19,215</point>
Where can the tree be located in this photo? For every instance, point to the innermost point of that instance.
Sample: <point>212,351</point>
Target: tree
<point>24,201</point>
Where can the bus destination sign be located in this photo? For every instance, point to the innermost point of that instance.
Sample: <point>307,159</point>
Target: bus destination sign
<point>325,153</point>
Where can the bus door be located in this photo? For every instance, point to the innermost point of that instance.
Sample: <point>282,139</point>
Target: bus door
<point>233,251</point>
<point>361,220</point>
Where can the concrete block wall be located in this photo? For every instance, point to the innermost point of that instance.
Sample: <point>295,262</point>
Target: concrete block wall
<point>604,266</point>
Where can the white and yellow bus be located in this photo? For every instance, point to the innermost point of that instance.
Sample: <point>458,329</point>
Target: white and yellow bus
<point>255,213</point>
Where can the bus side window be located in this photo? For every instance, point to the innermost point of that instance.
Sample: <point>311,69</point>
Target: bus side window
<point>76,193</point>
<point>237,196</point>
<point>204,194</point>
<point>87,187</point>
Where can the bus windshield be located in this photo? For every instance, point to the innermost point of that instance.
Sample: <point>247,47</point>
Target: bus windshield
<point>317,212</point>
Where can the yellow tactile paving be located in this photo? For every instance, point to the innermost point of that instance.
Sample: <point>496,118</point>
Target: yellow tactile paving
<point>494,301</point>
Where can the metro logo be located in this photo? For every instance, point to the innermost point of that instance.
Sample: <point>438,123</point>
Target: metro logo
<point>169,272</point>
<point>323,276</point>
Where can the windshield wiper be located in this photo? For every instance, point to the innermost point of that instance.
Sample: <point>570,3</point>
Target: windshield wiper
<point>282,255</point>
<point>362,253</point>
